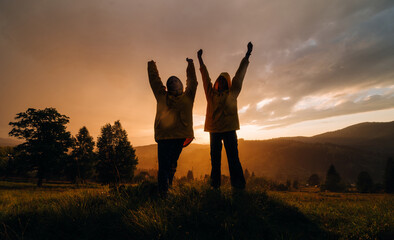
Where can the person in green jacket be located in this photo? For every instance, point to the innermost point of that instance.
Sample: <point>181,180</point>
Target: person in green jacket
<point>174,120</point>
<point>222,121</point>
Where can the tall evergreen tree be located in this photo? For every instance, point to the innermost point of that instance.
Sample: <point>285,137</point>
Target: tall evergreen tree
<point>333,180</point>
<point>190,176</point>
<point>116,157</point>
<point>46,141</point>
<point>389,176</point>
<point>82,160</point>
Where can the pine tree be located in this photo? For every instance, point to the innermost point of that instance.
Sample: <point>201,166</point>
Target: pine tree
<point>333,180</point>
<point>83,158</point>
<point>190,176</point>
<point>116,157</point>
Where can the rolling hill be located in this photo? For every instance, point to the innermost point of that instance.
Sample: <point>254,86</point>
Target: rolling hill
<point>372,136</point>
<point>361,147</point>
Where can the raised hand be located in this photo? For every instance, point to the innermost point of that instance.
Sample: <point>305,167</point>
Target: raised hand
<point>250,48</point>
<point>189,60</point>
<point>199,53</point>
<point>151,64</point>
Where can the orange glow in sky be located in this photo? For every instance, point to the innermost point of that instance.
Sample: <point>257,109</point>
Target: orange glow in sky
<point>308,73</point>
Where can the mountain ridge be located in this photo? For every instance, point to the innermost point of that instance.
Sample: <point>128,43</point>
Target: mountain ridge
<point>360,147</point>
<point>294,157</point>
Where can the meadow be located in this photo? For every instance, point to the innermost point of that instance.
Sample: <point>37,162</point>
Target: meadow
<point>191,211</point>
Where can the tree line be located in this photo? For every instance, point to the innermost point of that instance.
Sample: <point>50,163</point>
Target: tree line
<point>332,181</point>
<point>49,151</point>
<point>364,183</point>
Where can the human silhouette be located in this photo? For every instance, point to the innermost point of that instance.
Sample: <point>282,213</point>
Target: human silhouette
<point>174,120</point>
<point>222,119</point>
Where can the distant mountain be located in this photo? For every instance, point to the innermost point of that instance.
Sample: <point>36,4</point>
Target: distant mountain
<point>372,136</point>
<point>375,137</point>
<point>361,147</point>
<point>278,159</point>
<point>366,130</point>
<point>9,142</point>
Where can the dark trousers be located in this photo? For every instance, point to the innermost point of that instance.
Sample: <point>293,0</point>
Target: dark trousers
<point>231,145</point>
<point>168,152</point>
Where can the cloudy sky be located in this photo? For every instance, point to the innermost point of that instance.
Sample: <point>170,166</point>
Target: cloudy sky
<point>316,66</point>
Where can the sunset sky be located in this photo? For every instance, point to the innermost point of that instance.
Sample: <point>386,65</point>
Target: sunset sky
<point>316,66</point>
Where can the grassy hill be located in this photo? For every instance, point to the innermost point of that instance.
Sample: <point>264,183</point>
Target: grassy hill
<point>191,211</point>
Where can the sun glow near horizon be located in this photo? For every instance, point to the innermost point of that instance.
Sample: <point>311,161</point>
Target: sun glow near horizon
<point>305,128</point>
<point>89,60</point>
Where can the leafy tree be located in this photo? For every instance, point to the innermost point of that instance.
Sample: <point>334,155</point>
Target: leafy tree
<point>389,176</point>
<point>333,180</point>
<point>116,157</point>
<point>46,141</point>
<point>364,182</point>
<point>82,158</point>
<point>189,175</point>
<point>314,180</point>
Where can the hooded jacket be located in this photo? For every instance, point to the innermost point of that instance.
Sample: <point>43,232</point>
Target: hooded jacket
<point>222,110</point>
<point>174,117</point>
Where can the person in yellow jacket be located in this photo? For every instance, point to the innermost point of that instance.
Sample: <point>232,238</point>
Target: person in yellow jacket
<point>222,121</point>
<point>174,120</point>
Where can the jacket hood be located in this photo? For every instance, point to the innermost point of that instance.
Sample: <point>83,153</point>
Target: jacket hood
<point>174,86</point>
<point>227,77</point>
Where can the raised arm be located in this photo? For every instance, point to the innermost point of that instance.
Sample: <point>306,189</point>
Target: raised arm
<point>154,79</point>
<point>238,79</point>
<point>204,74</point>
<point>191,81</point>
